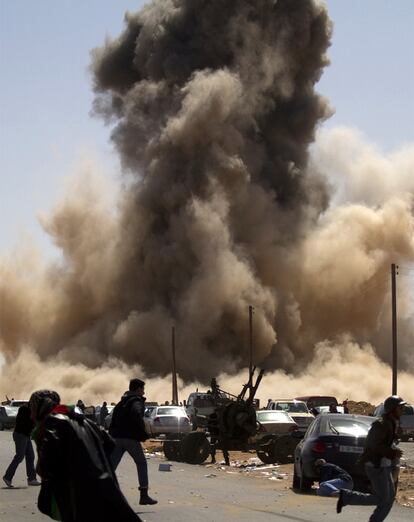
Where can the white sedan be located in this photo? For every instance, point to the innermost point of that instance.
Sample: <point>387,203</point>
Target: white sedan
<point>167,419</point>
<point>275,422</point>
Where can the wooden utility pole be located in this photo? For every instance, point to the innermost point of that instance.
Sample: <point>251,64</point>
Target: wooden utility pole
<point>394,272</point>
<point>174,370</point>
<point>250,340</point>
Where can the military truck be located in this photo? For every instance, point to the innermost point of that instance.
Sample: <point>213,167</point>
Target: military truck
<point>232,426</point>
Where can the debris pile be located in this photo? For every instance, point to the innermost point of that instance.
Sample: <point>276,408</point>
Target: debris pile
<point>361,408</point>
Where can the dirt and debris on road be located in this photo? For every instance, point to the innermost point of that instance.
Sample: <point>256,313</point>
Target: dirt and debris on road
<point>405,493</point>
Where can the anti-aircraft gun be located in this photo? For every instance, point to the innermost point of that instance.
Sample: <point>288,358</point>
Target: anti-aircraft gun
<point>232,427</point>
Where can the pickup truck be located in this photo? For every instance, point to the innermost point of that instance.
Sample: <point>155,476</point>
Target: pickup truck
<point>406,428</point>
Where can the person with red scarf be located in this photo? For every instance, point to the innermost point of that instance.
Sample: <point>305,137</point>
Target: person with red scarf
<point>78,480</point>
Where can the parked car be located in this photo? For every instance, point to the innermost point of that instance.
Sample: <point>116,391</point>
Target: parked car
<point>296,409</point>
<point>8,413</point>
<point>97,418</point>
<point>277,422</point>
<point>325,409</point>
<point>337,438</point>
<point>167,419</point>
<point>406,428</point>
<point>7,417</point>
<point>17,403</point>
<point>314,401</point>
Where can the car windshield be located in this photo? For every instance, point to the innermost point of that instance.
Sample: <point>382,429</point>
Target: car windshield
<point>292,407</point>
<point>346,426</point>
<point>178,412</point>
<point>203,402</point>
<point>273,416</point>
<point>322,401</point>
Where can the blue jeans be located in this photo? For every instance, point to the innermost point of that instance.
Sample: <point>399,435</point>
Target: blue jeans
<point>24,449</point>
<point>328,488</point>
<point>383,488</point>
<point>134,448</point>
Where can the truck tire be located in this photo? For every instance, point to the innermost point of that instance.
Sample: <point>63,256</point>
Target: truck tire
<point>266,448</point>
<point>195,447</point>
<point>284,449</point>
<point>172,450</point>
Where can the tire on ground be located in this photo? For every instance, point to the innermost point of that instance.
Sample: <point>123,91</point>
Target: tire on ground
<point>172,450</point>
<point>296,479</point>
<point>195,447</point>
<point>284,449</point>
<point>305,484</point>
<point>265,450</point>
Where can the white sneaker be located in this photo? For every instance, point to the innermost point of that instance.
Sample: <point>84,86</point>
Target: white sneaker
<point>33,482</point>
<point>8,483</point>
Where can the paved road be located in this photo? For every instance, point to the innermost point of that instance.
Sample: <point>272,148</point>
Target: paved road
<point>186,494</point>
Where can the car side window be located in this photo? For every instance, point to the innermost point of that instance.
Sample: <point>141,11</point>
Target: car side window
<point>311,429</point>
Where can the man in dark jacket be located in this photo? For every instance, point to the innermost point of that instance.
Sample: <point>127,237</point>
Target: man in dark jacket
<point>128,430</point>
<point>78,481</point>
<point>380,457</point>
<point>24,449</point>
<point>332,479</point>
<point>103,413</point>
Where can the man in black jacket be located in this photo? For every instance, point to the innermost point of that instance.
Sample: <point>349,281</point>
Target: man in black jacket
<point>128,430</point>
<point>24,449</point>
<point>381,458</point>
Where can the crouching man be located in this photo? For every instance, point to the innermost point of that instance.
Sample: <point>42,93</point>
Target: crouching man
<point>332,479</point>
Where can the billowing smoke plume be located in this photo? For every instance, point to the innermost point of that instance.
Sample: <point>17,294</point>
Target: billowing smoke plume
<point>213,110</point>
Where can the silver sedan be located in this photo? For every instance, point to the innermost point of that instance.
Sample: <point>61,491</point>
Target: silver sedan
<point>167,419</point>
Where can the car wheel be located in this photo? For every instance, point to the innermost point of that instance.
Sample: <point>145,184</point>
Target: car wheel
<point>305,484</point>
<point>296,479</point>
<point>195,447</point>
<point>1,426</point>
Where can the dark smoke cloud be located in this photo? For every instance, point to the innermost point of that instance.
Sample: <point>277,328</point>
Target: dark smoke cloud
<point>213,109</point>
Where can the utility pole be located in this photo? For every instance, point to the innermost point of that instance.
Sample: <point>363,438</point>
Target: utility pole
<point>250,341</point>
<point>174,370</point>
<point>394,272</point>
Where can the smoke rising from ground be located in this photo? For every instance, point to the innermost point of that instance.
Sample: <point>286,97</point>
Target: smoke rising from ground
<point>213,110</point>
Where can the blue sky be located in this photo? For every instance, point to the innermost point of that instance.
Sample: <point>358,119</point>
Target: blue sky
<point>45,92</point>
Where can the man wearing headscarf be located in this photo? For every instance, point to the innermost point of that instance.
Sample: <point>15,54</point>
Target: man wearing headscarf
<point>78,481</point>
